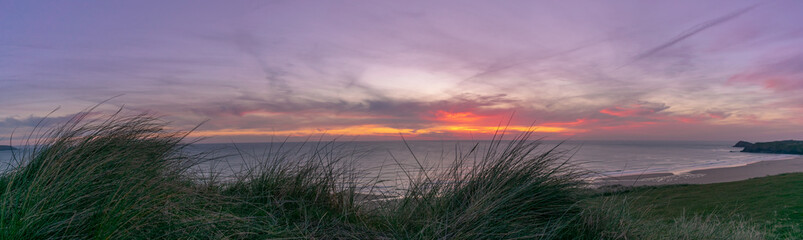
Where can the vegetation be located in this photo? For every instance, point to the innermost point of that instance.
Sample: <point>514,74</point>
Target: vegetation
<point>776,202</point>
<point>126,177</point>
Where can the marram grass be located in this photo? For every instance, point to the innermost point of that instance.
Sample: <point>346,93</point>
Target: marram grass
<point>126,177</point>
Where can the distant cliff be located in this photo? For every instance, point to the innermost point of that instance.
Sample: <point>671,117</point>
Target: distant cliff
<point>785,147</point>
<point>742,144</point>
<point>6,148</point>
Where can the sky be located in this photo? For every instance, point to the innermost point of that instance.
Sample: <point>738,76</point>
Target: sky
<point>251,71</point>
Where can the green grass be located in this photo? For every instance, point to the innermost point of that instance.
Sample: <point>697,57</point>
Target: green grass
<point>111,180</point>
<point>512,191</point>
<point>126,177</point>
<point>775,201</point>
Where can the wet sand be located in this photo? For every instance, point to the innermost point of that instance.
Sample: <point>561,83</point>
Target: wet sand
<point>714,175</point>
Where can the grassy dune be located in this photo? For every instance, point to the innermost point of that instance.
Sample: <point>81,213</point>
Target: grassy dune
<point>126,177</point>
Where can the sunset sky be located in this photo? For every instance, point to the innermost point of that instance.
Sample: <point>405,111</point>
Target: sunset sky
<point>369,70</point>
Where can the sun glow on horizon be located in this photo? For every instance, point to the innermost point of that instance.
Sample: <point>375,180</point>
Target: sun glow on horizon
<point>377,130</point>
<point>457,124</point>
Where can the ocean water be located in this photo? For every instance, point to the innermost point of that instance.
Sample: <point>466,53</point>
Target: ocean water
<point>393,161</point>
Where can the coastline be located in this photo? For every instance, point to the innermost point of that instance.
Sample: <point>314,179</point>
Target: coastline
<point>705,176</point>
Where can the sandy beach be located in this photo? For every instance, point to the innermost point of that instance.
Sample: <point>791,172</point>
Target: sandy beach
<point>713,175</point>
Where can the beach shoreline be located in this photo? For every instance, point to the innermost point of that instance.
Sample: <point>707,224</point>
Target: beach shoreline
<point>706,176</point>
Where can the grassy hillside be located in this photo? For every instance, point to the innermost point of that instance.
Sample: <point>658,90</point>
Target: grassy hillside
<point>126,177</point>
<point>775,201</point>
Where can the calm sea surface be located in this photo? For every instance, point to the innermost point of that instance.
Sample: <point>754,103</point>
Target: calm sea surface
<point>392,160</point>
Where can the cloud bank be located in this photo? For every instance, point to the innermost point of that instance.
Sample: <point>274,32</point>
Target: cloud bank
<point>714,70</point>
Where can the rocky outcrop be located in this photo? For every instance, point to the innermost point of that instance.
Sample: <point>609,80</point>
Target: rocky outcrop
<point>6,148</point>
<point>784,147</point>
<point>742,144</point>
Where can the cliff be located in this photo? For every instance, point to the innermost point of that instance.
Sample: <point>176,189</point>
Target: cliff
<point>6,148</point>
<point>784,147</point>
<point>742,144</point>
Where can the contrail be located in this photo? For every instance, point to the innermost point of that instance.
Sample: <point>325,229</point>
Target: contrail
<point>691,32</point>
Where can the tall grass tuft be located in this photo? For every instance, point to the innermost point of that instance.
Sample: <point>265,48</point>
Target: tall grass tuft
<point>512,189</point>
<point>112,178</point>
<point>312,190</point>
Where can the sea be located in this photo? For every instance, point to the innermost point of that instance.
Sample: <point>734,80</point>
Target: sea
<point>395,162</point>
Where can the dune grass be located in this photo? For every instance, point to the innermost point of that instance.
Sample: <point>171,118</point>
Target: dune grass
<point>126,177</point>
<point>107,179</point>
<point>511,190</point>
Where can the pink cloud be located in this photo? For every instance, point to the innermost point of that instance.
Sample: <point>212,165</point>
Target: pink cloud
<point>771,81</point>
<point>717,115</point>
<point>780,76</point>
<point>635,109</point>
<point>578,122</point>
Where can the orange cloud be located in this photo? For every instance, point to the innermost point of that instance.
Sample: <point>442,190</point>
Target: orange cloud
<point>457,117</point>
<point>617,111</point>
